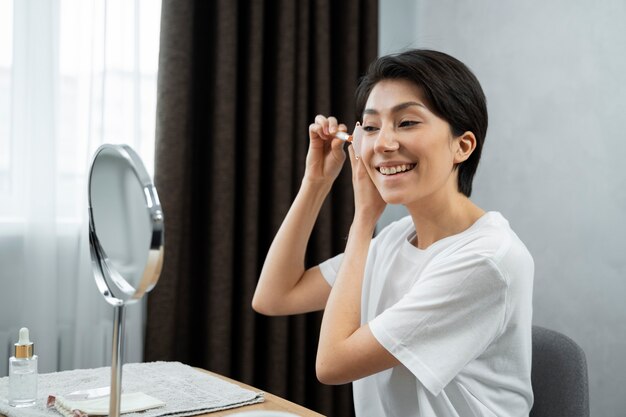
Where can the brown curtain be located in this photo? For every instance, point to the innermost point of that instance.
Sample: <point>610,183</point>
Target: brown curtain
<point>239,83</point>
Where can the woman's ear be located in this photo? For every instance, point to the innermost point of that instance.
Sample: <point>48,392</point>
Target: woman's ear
<point>466,145</point>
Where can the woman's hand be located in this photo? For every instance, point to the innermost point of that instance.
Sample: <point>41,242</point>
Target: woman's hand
<point>368,204</point>
<point>326,155</point>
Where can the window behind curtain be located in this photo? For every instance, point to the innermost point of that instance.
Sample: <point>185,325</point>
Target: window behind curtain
<point>86,115</point>
<point>6,56</point>
<point>68,83</point>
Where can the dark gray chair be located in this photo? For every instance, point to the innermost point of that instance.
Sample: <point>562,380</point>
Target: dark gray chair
<point>559,376</point>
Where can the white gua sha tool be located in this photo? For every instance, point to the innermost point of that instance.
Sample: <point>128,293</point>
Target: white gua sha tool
<point>354,138</point>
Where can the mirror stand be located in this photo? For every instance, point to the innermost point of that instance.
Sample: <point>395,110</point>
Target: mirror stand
<point>117,360</point>
<point>125,239</point>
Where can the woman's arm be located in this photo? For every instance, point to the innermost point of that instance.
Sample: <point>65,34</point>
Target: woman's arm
<point>285,287</point>
<point>348,350</point>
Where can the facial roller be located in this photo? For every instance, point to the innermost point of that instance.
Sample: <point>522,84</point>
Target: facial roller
<point>354,138</point>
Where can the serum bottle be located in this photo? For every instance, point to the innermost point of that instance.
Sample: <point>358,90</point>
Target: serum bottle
<point>23,373</point>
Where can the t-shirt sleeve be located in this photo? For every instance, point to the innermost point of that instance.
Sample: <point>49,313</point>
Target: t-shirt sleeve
<point>330,268</point>
<point>448,318</point>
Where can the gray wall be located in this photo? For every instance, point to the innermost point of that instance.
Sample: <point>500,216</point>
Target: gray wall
<point>554,73</point>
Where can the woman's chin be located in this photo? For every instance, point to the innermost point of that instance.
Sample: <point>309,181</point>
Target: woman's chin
<point>394,198</point>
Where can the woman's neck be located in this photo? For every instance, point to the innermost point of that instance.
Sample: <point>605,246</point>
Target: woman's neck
<point>442,216</point>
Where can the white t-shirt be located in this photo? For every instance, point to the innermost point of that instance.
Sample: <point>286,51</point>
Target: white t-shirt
<point>458,317</point>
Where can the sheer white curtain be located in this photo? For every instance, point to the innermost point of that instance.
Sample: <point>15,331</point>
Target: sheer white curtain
<point>73,74</point>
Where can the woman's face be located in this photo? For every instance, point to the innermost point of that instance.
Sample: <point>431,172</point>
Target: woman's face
<point>408,151</point>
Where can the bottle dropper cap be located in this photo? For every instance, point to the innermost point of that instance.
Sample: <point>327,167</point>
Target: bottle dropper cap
<point>24,347</point>
<point>343,136</point>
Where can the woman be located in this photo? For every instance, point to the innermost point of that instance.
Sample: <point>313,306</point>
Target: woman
<point>432,317</point>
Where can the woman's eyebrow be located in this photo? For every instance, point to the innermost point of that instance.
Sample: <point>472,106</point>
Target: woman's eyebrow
<point>396,108</point>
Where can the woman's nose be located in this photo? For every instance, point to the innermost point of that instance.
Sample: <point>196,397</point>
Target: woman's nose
<point>386,141</point>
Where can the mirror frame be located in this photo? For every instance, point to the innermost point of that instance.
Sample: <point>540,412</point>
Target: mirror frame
<point>114,288</point>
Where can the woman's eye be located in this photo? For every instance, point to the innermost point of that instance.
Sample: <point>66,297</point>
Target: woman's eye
<point>409,123</point>
<point>369,128</point>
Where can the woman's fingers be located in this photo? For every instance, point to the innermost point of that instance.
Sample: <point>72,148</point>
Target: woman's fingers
<point>320,119</point>
<point>323,122</point>
<point>326,127</point>
<point>354,161</point>
<point>332,125</point>
<point>316,130</point>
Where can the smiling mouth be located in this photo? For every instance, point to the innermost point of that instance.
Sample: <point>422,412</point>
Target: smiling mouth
<point>395,170</point>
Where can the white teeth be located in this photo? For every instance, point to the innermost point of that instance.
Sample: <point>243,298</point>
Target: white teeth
<point>395,170</point>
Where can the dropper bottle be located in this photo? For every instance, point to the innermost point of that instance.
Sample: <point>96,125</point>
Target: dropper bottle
<point>23,373</point>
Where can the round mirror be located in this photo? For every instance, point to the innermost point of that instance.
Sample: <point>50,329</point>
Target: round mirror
<point>125,239</point>
<point>125,225</point>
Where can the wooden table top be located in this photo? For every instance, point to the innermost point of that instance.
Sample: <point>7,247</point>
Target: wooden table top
<point>271,403</point>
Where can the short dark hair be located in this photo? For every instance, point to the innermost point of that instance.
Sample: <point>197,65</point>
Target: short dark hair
<point>451,90</point>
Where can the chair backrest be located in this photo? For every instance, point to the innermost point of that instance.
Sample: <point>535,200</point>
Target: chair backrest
<point>559,376</point>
